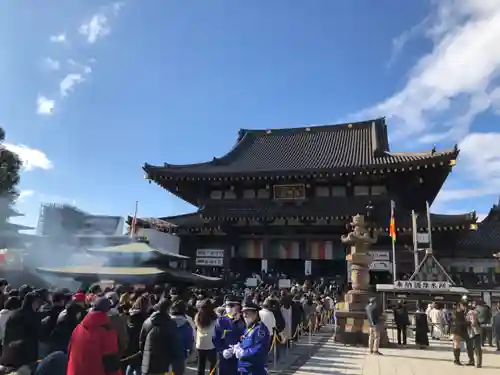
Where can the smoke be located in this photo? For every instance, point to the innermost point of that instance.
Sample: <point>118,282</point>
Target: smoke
<point>61,242</point>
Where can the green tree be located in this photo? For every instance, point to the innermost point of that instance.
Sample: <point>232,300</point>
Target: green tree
<point>10,165</point>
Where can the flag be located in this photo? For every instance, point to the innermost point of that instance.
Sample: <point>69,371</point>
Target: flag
<point>392,225</point>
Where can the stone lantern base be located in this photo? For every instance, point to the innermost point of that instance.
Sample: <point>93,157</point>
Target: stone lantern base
<point>353,327</point>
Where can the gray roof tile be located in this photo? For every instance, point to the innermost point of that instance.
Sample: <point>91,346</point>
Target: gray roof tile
<point>330,147</point>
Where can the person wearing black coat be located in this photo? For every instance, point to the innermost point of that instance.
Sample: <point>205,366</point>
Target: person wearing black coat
<point>402,321</point>
<point>24,326</point>
<point>3,296</point>
<point>49,321</point>
<point>138,315</point>
<point>67,321</point>
<point>421,327</point>
<point>297,316</point>
<point>160,344</point>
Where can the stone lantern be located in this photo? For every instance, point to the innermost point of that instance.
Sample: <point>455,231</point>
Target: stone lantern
<point>351,321</point>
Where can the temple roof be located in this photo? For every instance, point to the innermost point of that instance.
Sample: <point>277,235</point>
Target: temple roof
<point>13,227</point>
<point>136,248</point>
<point>493,214</point>
<point>316,148</point>
<point>486,237</point>
<point>127,273</point>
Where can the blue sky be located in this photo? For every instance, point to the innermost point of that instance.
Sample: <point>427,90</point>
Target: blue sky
<point>90,90</point>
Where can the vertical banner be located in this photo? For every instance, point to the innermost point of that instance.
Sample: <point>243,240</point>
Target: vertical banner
<point>415,238</point>
<point>263,265</point>
<point>307,267</point>
<point>429,229</point>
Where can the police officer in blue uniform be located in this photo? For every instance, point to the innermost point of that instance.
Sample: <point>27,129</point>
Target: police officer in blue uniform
<point>228,332</point>
<point>253,351</point>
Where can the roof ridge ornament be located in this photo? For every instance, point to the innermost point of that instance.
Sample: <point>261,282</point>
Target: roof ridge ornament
<point>241,133</point>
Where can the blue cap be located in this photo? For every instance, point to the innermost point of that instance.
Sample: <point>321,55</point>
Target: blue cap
<point>231,299</point>
<point>250,306</point>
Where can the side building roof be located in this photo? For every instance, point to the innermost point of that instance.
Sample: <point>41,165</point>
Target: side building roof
<point>328,149</point>
<point>485,241</point>
<point>212,216</point>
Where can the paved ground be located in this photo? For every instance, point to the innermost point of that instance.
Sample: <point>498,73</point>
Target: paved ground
<point>337,359</point>
<point>321,356</point>
<point>293,357</point>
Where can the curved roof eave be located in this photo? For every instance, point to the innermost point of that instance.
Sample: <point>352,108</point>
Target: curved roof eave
<point>224,170</point>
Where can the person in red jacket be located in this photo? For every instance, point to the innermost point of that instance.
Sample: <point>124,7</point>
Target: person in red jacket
<point>93,348</point>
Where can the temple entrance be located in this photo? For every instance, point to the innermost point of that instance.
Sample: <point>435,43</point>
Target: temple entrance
<point>293,268</point>
<point>334,269</point>
<point>245,266</point>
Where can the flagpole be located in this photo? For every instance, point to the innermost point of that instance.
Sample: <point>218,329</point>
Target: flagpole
<point>394,259</point>
<point>393,236</point>
<point>134,220</point>
<point>415,238</point>
<point>429,223</point>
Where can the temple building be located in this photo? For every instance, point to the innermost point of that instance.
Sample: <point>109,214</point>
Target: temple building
<point>135,263</point>
<point>281,198</point>
<point>470,258</point>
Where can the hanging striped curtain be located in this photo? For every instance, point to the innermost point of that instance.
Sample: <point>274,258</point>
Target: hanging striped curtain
<point>251,249</point>
<point>285,249</point>
<point>322,250</point>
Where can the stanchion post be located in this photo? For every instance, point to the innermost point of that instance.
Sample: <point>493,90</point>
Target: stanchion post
<point>275,352</point>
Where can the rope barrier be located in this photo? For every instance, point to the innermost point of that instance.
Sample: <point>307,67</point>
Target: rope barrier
<point>275,341</point>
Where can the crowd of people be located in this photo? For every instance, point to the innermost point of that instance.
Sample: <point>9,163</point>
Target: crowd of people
<point>469,324</point>
<point>151,330</point>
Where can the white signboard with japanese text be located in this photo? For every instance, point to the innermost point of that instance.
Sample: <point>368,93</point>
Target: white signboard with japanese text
<point>422,285</point>
<point>423,238</point>
<point>381,266</point>
<point>307,267</point>
<point>382,256</point>
<point>210,262</point>
<point>251,282</point>
<point>210,253</point>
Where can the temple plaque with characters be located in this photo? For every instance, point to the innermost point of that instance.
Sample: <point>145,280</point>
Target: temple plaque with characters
<point>290,192</point>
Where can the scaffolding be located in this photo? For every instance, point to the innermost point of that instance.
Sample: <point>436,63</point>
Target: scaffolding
<point>59,219</point>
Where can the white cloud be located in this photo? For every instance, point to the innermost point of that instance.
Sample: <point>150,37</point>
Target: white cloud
<point>59,38</point>
<point>31,157</point>
<point>479,166</point>
<point>73,79</point>
<point>97,26</point>
<point>44,106</point>
<point>400,41</point>
<point>24,194</point>
<point>481,217</point>
<point>51,64</point>
<point>83,68</point>
<point>461,68</point>
<point>69,82</point>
